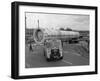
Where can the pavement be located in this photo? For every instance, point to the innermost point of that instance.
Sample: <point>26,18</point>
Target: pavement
<point>73,55</point>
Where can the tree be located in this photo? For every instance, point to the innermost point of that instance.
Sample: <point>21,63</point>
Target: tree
<point>61,29</point>
<point>68,29</point>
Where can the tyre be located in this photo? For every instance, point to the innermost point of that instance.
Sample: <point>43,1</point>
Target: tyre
<point>48,59</point>
<point>44,52</point>
<point>61,57</point>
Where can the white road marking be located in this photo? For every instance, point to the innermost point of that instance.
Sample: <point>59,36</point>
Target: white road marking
<point>67,62</point>
<point>72,53</point>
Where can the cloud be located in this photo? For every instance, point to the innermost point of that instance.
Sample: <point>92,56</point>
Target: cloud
<point>78,22</point>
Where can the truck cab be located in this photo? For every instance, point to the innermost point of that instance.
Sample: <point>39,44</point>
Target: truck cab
<point>53,49</point>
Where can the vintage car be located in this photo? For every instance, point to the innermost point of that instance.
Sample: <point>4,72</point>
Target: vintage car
<point>53,50</point>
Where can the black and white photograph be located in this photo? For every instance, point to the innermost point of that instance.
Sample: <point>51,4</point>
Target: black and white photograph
<point>50,40</point>
<point>53,40</point>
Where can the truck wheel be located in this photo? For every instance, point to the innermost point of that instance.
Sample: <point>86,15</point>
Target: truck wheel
<point>70,41</point>
<point>61,57</point>
<point>48,60</point>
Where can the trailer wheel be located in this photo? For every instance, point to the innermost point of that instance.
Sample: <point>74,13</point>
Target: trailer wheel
<point>70,41</point>
<point>76,41</point>
<point>44,52</point>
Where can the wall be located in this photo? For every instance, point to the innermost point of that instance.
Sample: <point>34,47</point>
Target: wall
<point>5,41</point>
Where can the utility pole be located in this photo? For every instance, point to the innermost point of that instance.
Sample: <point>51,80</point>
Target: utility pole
<point>38,23</point>
<point>25,20</point>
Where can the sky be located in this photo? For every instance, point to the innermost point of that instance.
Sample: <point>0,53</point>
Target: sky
<point>56,21</point>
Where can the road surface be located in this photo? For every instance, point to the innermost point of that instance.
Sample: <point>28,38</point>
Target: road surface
<point>74,55</point>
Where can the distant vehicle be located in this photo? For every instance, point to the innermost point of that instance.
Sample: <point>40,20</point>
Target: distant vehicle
<point>53,50</point>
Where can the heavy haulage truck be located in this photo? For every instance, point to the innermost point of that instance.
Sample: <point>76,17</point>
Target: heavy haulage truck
<point>52,46</point>
<point>53,41</point>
